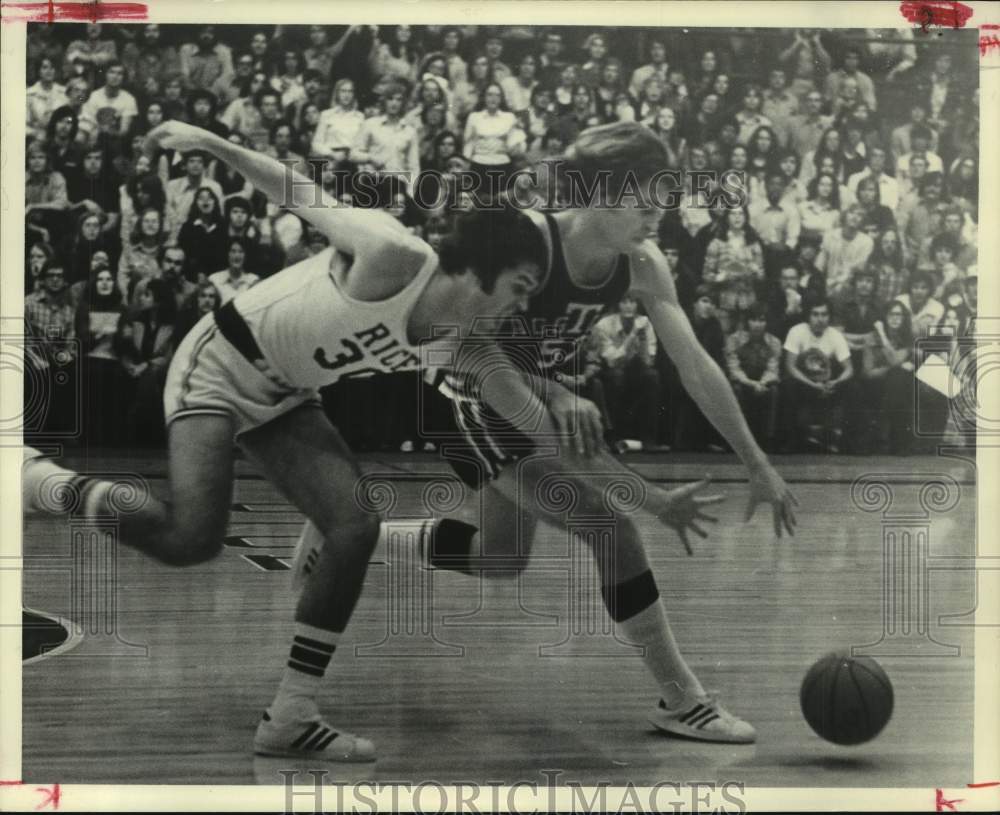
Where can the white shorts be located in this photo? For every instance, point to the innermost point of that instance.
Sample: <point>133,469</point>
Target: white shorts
<point>209,376</point>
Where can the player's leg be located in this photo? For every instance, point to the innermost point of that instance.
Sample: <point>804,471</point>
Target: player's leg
<point>305,457</point>
<point>185,530</point>
<point>630,593</point>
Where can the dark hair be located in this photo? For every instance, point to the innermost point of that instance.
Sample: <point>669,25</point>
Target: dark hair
<point>481,103</point>
<point>920,132</point>
<point>834,194</point>
<point>704,290</point>
<point>98,302</point>
<point>749,233</point>
<point>57,114</point>
<point>490,241</point>
<point>931,178</point>
<point>943,241</point>
<point>267,90</point>
<point>163,296</point>
<point>756,312</point>
<point>197,95</point>
<point>150,184</point>
<point>906,329</point>
<point>136,235</point>
<point>237,201</point>
<point>194,213</point>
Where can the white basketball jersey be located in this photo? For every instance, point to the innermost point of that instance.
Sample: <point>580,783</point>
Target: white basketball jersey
<point>312,334</point>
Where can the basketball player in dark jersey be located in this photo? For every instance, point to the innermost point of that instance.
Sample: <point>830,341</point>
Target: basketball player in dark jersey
<point>503,412</point>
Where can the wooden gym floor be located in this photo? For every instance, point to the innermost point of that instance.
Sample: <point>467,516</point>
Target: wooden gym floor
<point>457,679</point>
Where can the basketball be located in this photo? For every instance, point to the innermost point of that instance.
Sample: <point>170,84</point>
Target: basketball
<point>845,699</point>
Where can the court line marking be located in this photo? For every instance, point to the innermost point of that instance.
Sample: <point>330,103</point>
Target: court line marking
<point>74,638</point>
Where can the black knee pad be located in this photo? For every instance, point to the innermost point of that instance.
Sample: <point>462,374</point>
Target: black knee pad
<point>626,599</point>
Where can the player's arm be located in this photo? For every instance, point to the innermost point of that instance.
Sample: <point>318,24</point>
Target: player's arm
<point>705,381</point>
<point>354,231</point>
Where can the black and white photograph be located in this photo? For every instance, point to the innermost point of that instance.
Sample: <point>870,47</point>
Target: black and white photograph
<point>500,407</point>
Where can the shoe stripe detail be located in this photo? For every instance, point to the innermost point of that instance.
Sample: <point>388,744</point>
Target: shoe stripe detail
<point>306,669</point>
<point>701,725</point>
<point>320,734</point>
<point>316,645</point>
<point>305,735</point>
<point>697,721</point>
<point>692,713</point>
<point>326,742</point>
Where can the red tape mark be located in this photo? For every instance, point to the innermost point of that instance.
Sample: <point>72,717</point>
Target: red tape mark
<point>93,11</point>
<point>941,803</point>
<point>52,795</point>
<point>983,784</point>
<point>944,13</point>
<point>987,42</point>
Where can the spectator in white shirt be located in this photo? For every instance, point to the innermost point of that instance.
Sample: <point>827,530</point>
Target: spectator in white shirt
<point>920,145</point>
<point>517,89</point>
<point>844,250</point>
<point>888,187</point>
<point>235,278</point>
<point>626,346</point>
<point>113,96</point>
<point>924,310</point>
<point>852,61</point>
<point>44,97</point>
<point>493,136</point>
<point>181,191</point>
<point>817,366</point>
<point>387,142</point>
<point>657,66</point>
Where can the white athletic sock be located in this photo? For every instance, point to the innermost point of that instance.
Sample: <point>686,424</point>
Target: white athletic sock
<point>48,488</point>
<point>651,629</point>
<point>302,681</point>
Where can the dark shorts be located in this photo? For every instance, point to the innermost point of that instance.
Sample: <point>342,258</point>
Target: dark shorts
<point>475,441</point>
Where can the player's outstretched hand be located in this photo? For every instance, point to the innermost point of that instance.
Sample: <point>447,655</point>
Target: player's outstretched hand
<point>176,135</point>
<point>684,509</point>
<point>767,486</point>
<point>578,420</point>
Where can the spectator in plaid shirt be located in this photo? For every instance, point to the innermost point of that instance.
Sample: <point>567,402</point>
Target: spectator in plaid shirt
<point>753,357</point>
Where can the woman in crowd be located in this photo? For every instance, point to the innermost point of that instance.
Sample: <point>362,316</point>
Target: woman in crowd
<point>234,278</point>
<point>748,118</point>
<point>64,151</point>
<point>493,137</point>
<point>146,351</point>
<point>734,267</point>
<point>539,118</point>
<point>203,234</point>
<point>887,260</point>
<point>433,122</point>
<point>99,319</point>
<point>704,125</point>
<point>242,115</point>
<point>233,184</point>
<point>206,299</point>
<point>518,88</point>
<point>429,95</point>
<point>763,149</point>
<point>609,86</point>
<point>820,212</point>
<point>886,389</point>
<point>468,94</point>
<point>652,96</point>
<point>704,77</point>
<point>142,191</point>
<point>289,83</point>
<point>874,212</point>
<point>39,258</point>
<point>338,127</point>
<point>664,125</point>
<point>44,97</point>
<point>202,111</point>
<point>46,199</point>
<point>963,184</point>
<point>830,146</point>
<point>398,56</point>
<point>562,93</point>
<point>788,164</point>
<point>88,239</point>
<point>140,259</point>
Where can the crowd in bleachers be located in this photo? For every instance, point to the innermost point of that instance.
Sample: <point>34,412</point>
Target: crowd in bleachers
<point>857,153</point>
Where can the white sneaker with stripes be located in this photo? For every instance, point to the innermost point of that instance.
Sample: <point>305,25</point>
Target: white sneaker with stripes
<point>313,738</point>
<point>703,718</point>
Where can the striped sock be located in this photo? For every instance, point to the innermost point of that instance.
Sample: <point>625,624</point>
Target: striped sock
<point>639,613</point>
<point>302,681</point>
<point>53,490</point>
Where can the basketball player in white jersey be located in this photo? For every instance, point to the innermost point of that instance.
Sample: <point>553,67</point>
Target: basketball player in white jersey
<point>596,254</point>
<point>250,373</point>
